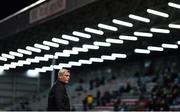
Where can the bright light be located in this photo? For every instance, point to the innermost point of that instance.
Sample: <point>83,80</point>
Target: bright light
<point>3,59</point>
<point>153,48</point>
<point>49,56</point>
<point>41,58</point>
<point>90,30</point>
<point>85,62</point>
<point>32,60</point>
<point>6,67</point>
<point>142,51</point>
<point>171,46</point>
<point>24,62</point>
<point>16,54</point>
<point>13,66</point>
<point>40,70</point>
<point>1,71</point>
<point>47,68</point>
<point>65,65</point>
<point>143,34</point>
<point>178,42</point>
<point>10,65</point>
<point>71,38</point>
<point>117,55</point>
<point>70,52</point>
<point>124,37</point>
<point>107,27</point>
<point>16,64</point>
<point>60,54</point>
<point>123,23</point>
<point>174,5</point>
<point>115,41</point>
<point>32,5</point>
<point>96,60</point>
<point>90,46</point>
<point>177,26</point>
<point>73,63</point>
<point>79,49</point>
<point>139,18</point>
<point>80,34</point>
<point>105,44</point>
<point>158,13</point>
<point>104,57</point>
<point>52,44</point>
<point>57,67</point>
<point>159,30</point>
<point>60,41</point>
<point>44,47</point>
<point>7,56</point>
<point>33,49</point>
<point>24,51</point>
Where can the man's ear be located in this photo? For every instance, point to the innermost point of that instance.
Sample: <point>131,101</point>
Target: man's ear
<point>59,77</point>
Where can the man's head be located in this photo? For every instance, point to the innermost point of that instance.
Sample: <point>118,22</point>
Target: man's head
<point>64,76</point>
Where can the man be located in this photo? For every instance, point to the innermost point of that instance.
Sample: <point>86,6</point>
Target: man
<point>58,98</point>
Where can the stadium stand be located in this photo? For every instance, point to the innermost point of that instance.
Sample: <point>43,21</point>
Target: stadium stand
<point>121,70</point>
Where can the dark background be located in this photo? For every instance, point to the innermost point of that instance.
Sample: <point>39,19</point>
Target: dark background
<point>8,7</point>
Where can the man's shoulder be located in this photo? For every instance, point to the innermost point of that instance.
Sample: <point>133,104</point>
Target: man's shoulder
<point>59,85</point>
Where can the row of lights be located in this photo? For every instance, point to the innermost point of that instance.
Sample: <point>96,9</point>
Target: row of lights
<point>156,30</point>
<point>154,48</point>
<point>80,62</point>
<point>99,32</point>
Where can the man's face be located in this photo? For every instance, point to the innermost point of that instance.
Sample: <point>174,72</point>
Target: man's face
<point>65,77</point>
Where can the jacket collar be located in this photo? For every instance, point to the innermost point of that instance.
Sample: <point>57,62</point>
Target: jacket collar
<point>58,81</point>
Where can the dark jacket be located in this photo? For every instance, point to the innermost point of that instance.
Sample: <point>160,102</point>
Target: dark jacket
<point>58,98</point>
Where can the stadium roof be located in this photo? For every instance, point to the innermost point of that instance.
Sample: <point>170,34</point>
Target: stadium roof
<point>104,31</point>
<point>8,7</point>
